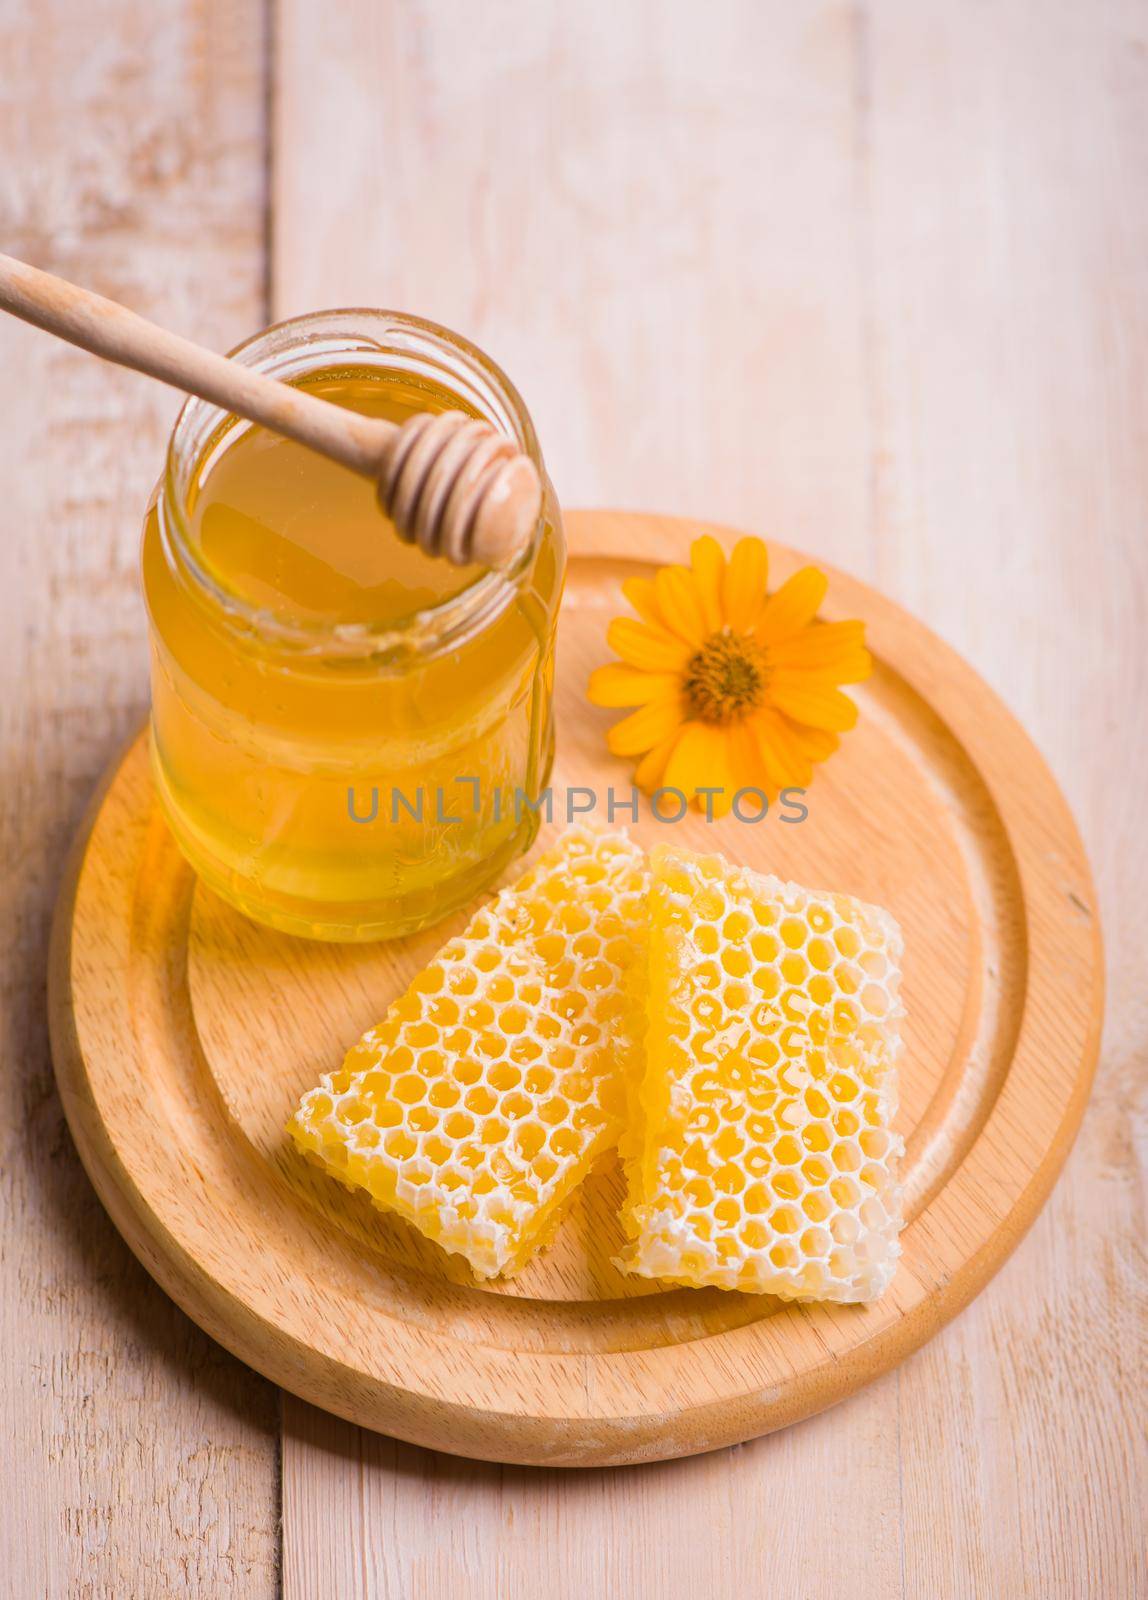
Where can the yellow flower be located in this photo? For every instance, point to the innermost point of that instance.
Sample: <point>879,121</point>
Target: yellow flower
<point>736,688</point>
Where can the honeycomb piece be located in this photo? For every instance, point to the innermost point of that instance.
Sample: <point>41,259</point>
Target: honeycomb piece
<point>763,1158</point>
<point>494,1083</point>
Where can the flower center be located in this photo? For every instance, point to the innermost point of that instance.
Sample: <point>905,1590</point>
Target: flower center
<point>726,679</point>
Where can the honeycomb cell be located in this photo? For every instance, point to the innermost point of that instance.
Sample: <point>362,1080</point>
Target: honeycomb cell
<point>555,1111</point>
<point>496,1080</point>
<point>400,1145</point>
<point>537,1081</point>
<point>504,1076</point>
<point>577,1087</point>
<point>730,1178</point>
<point>481,1099</point>
<point>517,1106</point>
<point>529,1139</point>
<point>799,1053</point>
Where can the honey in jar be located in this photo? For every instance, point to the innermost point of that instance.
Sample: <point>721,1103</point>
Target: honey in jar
<point>349,738</point>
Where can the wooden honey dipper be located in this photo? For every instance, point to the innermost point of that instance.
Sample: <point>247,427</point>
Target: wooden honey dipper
<point>450,483</point>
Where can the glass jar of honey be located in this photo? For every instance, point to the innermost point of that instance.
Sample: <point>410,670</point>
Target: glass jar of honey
<point>349,738</point>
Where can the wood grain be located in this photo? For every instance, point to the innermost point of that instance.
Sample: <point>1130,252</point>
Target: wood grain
<point>138,1458</point>
<point>1011,317</point>
<point>897,251</point>
<point>184,1034</point>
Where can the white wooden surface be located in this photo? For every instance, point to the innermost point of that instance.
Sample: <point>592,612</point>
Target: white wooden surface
<point>868,278</point>
<point>136,1458</point>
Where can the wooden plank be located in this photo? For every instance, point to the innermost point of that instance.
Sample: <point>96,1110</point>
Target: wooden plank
<point>1008,229</point>
<point>364,1515</point>
<point>867,280</point>
<point>583,190</point>
<point>138,1457</point>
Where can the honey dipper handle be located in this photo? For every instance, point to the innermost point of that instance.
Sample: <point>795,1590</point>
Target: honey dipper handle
<point>110,330</point>
<point>450,483</point>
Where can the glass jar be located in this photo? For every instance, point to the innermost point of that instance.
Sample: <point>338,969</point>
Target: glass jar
<point>331,765</point>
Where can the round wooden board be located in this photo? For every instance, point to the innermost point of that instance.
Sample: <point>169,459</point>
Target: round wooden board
<point>183,1035</point>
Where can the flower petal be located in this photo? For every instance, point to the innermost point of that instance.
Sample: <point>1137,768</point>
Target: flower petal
<point>722,776</point>
<point>793,606</point>
<point>785,761</point>
<point>818,743</point>
<point>824,653</point>
<point>848,669</point>
<point>743,586</point>
<point>745,759</point>
<point>819,707</point>
<point>687,768</point>
<point>613,685</point>
<point>820,644</point>
<point>640,593</point>
<point>648,772</point>
<point>645,728</point>
<point>702,761</point>
<point>707,558</point>
<point>678,601</point>
<point>641,645</point>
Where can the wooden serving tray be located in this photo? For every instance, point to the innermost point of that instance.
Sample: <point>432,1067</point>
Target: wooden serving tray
<point>184,1034</point>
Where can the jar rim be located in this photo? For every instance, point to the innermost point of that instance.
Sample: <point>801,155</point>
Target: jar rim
<point>310,343</point>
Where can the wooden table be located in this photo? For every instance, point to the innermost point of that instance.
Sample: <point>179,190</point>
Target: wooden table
<point>870,279</point>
